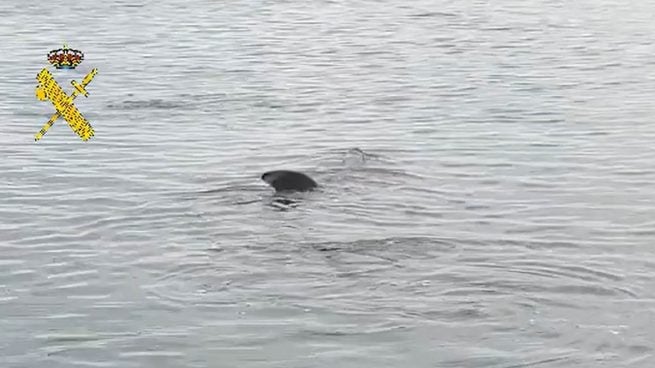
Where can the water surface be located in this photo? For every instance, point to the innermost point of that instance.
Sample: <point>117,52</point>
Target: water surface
<point>487,175</point>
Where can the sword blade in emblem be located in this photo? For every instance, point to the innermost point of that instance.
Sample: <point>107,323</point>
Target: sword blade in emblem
<point>76,92</point>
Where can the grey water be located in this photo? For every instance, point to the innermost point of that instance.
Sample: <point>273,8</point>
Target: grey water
<point>487,176</point>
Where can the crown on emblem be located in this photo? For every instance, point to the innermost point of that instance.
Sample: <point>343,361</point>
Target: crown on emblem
<point>65,58</point>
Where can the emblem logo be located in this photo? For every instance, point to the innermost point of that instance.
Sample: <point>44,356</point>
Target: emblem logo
<point>65,58</point>
<point>49,89</point>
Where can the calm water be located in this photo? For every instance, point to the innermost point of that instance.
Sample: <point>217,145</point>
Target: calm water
<point>487,175</point>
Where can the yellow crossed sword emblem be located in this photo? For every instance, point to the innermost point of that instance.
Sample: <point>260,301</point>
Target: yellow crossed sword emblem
<point>48,89</point>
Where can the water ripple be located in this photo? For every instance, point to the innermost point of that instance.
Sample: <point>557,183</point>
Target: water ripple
<point>486,184</point>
